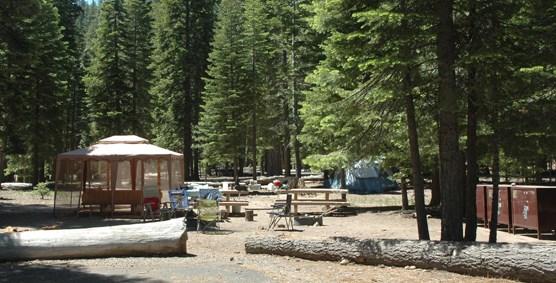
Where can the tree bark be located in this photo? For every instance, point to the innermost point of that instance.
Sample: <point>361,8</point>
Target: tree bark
<point>472,176</point>
<point>254,118</point>
<point>296,119</point>
<point>418,185</point>
<point>493,224</point>
<point>236,170</point>
<point>529,262</point>
<point>405,201</point>
<point>157,238</point>
<point>273,162</point>
<point>452,194</point>
<point>435,186</point>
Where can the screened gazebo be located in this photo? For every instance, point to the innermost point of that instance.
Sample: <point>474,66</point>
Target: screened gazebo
<point>117,171</point>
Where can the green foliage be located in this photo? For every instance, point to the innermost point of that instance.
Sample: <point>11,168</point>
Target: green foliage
<point>42,190</point>
<point>117,79</point>
<point>139,58</point>
<point>107,78</point>
<point>222,127</point>
<point>182,33</point>
<point>20,165</point>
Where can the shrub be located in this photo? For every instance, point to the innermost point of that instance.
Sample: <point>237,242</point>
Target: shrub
<point>42,189</point>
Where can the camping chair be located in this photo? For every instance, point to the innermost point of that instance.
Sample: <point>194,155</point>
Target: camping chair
<point>207,214</point>
<point>151,203</point>
<point>282,211</point>
<point>178,201</point>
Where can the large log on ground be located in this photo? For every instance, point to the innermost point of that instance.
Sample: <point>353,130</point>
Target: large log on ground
<point>148,239</point>
<point>528,262</point>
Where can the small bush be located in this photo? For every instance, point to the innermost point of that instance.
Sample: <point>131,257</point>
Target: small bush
<point>42,189</point>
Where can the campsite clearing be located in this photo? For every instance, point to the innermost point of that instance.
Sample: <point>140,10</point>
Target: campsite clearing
<point>221,257</point>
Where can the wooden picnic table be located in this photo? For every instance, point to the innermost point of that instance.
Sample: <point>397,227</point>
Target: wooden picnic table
<point>327,202</point>
<point>233,193</point>
<point>237,202</point>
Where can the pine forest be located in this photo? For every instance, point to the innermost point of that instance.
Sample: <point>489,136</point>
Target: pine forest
<point>437,91</point>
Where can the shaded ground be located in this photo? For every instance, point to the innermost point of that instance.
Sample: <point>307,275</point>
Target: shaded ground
<point>221,257</point>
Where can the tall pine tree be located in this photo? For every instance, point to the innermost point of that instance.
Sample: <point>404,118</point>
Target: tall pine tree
<point>182,32</point>
<point>223,124</point>
<point>108,88</point>
<point>139,57</point>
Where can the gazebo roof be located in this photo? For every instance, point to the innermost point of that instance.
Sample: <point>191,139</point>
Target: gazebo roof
<point>119,147</point>
<point>129,139</point>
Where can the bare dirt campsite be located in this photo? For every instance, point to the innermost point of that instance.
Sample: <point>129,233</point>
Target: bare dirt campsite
<point>221,256</point>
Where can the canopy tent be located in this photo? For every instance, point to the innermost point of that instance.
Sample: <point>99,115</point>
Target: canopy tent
<point>363,177</point>
<point>119,170</point>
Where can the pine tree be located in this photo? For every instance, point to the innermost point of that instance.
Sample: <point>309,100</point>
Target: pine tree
<point>107,79</point>
<point>259,69</point>
<point>16,48</point>
<point>223,123</point>
<point>46,100</point>
<point>182,32</point>
<point>75,112</point>
<point>139,57</point>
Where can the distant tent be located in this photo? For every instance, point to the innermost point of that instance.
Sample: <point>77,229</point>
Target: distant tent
<point>363,177</point>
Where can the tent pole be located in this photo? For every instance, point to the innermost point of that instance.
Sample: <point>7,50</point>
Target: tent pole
<point>158,176</point>
<point>170,173</point>
<point>56,181</point>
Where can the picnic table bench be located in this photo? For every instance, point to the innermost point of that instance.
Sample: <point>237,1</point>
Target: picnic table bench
<point>326,201</point>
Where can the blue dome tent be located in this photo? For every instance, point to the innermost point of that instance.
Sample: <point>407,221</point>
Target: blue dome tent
<point>363,177</point>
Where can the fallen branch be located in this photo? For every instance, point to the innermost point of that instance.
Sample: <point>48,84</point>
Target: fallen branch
<point>529,262</point>
<point>155,238</point>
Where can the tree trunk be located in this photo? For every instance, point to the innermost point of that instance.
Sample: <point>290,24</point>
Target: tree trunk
<point>472,176</point>
<point>452,194</point>
<point>2,163</point>
<point>296,119</point>
<point>418,186</point>
<point>540,166</point>
<point>435,186</point>
<point>472,166</point>
<point>405,201</point>
<point>495,182</point>
<point>156,238</point>
<point>529,262</point>
<point>273,162</point>
<point>188,104</point>
<point>236,170</point>
<point>287,134</point>
<point>254,119</point>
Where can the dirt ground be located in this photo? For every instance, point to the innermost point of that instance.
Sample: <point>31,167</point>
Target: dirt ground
<point>221,257</point>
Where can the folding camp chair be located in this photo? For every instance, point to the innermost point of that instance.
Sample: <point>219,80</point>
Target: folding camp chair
<point>207,214</point>
<point>178,202</point>
<point>151,203</point>
<point>282,211</point>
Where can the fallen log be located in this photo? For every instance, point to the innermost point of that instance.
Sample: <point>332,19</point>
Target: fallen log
<point>148,239</point>
<point>528,262</point>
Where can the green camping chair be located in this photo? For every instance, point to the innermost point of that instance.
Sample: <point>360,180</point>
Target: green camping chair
<point>207,214</point>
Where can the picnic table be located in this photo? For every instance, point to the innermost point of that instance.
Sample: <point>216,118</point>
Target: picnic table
<point>299,199</point>
<point>236,203</point>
